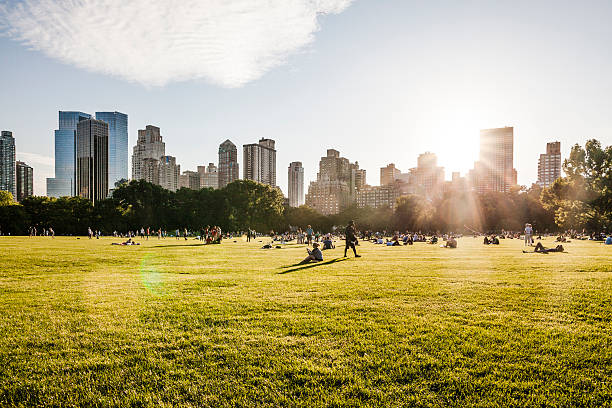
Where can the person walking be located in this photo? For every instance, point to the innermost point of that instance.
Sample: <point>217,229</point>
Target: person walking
<point>351,238</point>
<point>309,233</point>
<point>528,235</point>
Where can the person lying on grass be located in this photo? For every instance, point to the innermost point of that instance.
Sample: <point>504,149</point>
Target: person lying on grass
<point>543,250</point>
<point>128,242</point>
<point>313,256</point>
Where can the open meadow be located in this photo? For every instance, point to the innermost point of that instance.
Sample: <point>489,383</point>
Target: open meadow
<point>176,323</point>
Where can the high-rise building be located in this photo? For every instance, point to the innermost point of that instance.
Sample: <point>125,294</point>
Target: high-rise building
<point>259,162</point>
<point>91,171</point>
<point>494,171</point>
<point>150,145</point>
<point>7,163</point>
<point>25,180</point>
<point>427,179</point>
<point>296,184</point>
<point>389,174</point>
<point>190,179</point>
<point>169,173</point>
<point>228,163</point>
<point>378,196</point>
<point>336,185</point>
<point>549,165</point>
<point>117,145</point>
<point>209,176</point>
<point>63,183</point>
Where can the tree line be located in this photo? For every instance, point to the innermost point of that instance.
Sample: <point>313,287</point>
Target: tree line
<point>581,200</point>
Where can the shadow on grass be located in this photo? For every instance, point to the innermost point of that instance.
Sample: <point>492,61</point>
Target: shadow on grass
<point>310,265</point>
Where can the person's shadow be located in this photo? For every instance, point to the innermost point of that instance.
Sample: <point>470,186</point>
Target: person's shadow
<point>300,266</point>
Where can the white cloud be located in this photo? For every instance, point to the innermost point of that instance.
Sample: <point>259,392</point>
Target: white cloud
<point>154,42</point>
<point>43,168</point>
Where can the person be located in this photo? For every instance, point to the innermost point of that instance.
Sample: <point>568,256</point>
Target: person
<point>309,233</point>
<point>351,238</point>
<point>89,233</point>
<point>313,256</point>
<point>451,242</point>
<point>52,232</point>
<point>328,243</point>
<point>609,240</point>
<point>528,235</point>
<point>543,250</point>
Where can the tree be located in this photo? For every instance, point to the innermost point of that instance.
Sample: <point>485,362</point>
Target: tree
<point>6,198</point>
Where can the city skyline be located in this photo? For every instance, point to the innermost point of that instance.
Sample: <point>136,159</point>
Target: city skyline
<point>426,88</point>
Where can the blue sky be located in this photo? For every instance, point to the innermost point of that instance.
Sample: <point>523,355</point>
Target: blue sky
<point>381,81</point>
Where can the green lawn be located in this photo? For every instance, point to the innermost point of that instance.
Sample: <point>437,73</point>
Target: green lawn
<point>173,323</point>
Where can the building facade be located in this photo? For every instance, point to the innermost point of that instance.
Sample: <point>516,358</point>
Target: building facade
<point>295,184</point>
<point>190,179</point>
<point>337,182</point>
<point>91,171</point>
<point>209,176</point>
<point>378,196</point>
<point>259,162</point>
<point>549,165</point>
<point>150,145</point>
<point>494,171</point>
<point>427,179</point>
<point>228,163</point>
<point>7,163</point>
<point>63,183</point>
<point>24,180</point>
<point>117,145</point>
<point>389,174</point>
<point>168,173</point>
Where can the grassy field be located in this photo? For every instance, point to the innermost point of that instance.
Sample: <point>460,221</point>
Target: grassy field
<point>174,323</point>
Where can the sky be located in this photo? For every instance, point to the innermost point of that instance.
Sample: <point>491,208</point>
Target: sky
<point>382,81</point>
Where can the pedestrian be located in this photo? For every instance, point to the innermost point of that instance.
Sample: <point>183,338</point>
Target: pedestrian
<point>351,238</point>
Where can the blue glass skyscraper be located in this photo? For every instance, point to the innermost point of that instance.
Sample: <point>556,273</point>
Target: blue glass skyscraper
<point>63,182</point>
<point>117,145</point>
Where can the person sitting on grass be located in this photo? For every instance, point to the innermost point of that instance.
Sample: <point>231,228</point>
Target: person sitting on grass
<point>609,240</point>
<point>313,256</point>
<point>543,250</point>
<point>328,243</point>
<point>451,242</point>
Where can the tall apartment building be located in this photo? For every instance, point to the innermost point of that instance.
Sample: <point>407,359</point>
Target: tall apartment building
<point>549,165</point>
<point>209,176</point>
<point>24,180</point>
<point>117,145</point>
<point>378,196</point>
<point>91,171</point>
<point>494,171</point>
<point>7,163</point>
<point>336,185</point>
<point>427,179</point>
<point>168,173</point>
<point>149,145</point>
<point>63,184</point>
<point>296,184</point>
<point>228,163</point>
<point>190,179</point>
<point>259,162</point>
<point>389,174</point>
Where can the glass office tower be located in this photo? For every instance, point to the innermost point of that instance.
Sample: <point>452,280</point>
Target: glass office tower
<point>117,145</point>
<point>63,182</point>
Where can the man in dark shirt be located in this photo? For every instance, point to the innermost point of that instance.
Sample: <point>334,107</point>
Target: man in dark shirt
<point>351,238</point>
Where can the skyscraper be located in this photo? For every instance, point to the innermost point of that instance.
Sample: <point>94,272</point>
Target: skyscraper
<point>169,173</point>
<point>7,162</point>
<point>189,179</point>
<point>494,171</point>
<point>149,145</point>
<point>117,145</point>
<point>549,165</point>
<point>209,176</point>
<point>296,184</point>
<point>259,162</point>
<point>228,163</point>
<point>427,179</point>
<point>63,182</point>
<point>91,173</point>
<point>336,185</point>
<point>25,180</point>
<point>389,174</point>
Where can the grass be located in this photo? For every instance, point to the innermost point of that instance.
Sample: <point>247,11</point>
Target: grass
<point>171,323</point>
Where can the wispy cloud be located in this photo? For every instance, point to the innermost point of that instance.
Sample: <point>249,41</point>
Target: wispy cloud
<point>154,42</point>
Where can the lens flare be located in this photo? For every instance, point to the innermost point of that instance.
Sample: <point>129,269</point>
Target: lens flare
<point>150,276</point>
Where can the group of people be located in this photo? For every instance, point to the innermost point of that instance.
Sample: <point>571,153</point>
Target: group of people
<point>45,232</point>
